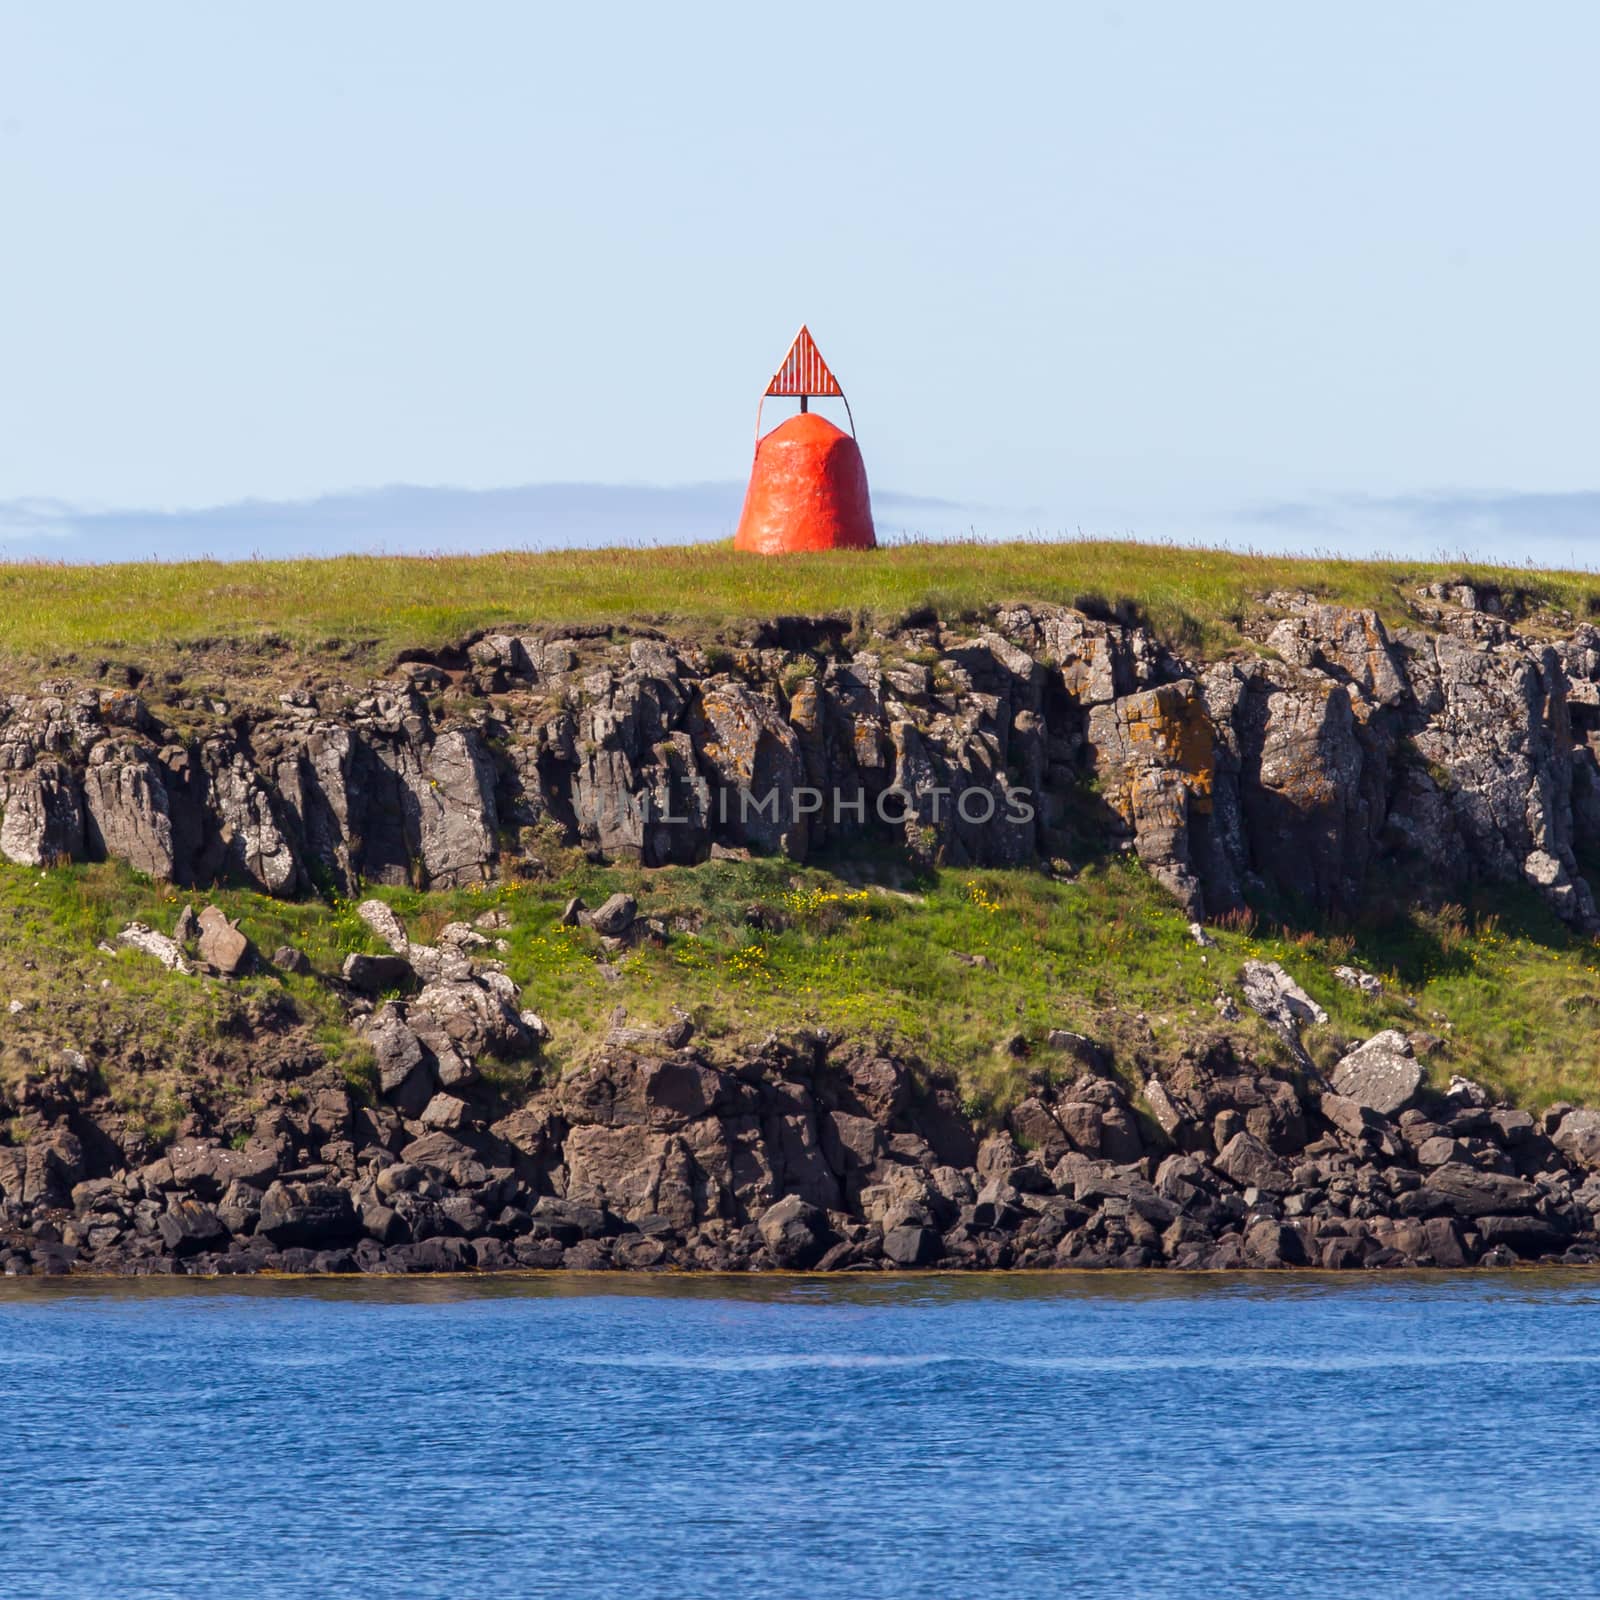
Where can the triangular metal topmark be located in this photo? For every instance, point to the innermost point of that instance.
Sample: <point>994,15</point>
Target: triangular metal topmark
<point>804,371</point>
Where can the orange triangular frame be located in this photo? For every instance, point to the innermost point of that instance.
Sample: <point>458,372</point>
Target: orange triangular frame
<point>804,372</point>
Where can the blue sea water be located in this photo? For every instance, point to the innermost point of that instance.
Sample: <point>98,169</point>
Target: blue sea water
<point>1118,1435</point>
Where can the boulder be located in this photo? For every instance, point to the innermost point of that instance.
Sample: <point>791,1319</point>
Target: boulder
<point>375,975</point>
<point>1353,1120</point>
<point>240,1208</point>
<point>1471,1193</point>
<point>1381,1074</point>
<point>1513,1128</point>
<point>1107,1130</point>
<point>385,924</point>
<point>1577,1137</point>
<point>222,945</point>
<point>136,936</point>
<point>445,1155</point>
<point>401,1178</point>
<point>674,1036</point>
<point>474,1018</point>
<point>1210,1087</point>
<point>437,1254</point>
<point>640,1254</point>
<point>1271,992</point>
<point>1251,1165</point>
<point>53,1165</point>
<point>1442,1243</point>
<point>383,1223</point>
<point>446,1112</point>
<point>308,1214</point>
<point>615,917</point>
<point>570,1220</point>
<point>405,1068</point>
<point>1354,978</point>
<point>1079,1046</point>
<point>208,1169</point>
<point>1438,1151</point>
<point>1096,1118</point>
<point>187,1227</point>
<point>1269,1243</point>
<point>587,1255</point>
<point>795,1233</point>
<point>1529,1237</point>
<point>910,1245</point>
<point>1035,1129</point>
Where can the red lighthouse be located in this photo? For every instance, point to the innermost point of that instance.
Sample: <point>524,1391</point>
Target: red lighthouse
<point>808,484</point>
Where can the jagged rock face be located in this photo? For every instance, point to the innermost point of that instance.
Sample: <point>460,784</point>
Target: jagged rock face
<point>1470,749</point>
<point>1495,717</point>
<point>43,818</point>
<point>1349,646</point>
<point>752,750</point>
<point>1155,756</point>
<point>127,815</point>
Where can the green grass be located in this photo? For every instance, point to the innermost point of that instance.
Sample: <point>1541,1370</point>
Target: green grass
<point>154,1035</point>
<point>1509,991</point>
<point>380,604</point>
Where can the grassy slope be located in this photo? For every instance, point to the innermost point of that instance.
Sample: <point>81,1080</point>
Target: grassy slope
<point>1106,954</point>
<point>391,602</point>
<point>1510,989</point>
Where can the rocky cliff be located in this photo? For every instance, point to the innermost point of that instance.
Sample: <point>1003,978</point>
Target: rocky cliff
<point>1461,748</point>
<point>1296,773</point>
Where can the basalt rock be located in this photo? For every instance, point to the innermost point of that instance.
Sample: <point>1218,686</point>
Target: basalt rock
<point>189,1227</point>
<point>614,918</point>
<point>1382,1074</point>
<point>830,1157</point>
<point>41,815</point>
<point>377,974</point>
<point>307,1214</point>
<point>796,1233</point>
<point>1473,1193</point>
<point>1577,1136</point>
<point>1461,751</point>
<point>222,946</point>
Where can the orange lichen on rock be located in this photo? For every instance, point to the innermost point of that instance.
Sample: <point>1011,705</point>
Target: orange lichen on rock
<point>1169,727</point>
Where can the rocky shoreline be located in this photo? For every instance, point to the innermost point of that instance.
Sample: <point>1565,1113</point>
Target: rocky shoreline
<point>1464,749</point>
<point>816,1155</point>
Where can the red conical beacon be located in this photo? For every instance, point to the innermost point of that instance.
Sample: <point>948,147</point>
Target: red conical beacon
<point>808,484</point>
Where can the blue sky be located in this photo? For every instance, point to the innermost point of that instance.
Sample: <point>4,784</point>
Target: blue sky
<point>404,276</point>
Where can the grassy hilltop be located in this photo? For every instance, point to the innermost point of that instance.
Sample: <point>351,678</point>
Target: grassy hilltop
<point>386,603</point>
<point>953,965</point>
